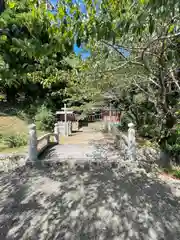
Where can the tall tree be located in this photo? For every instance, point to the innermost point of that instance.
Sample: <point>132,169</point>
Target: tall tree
<point>149,32</point>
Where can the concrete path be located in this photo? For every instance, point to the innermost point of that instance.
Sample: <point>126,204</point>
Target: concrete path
<point>83,136</point>
<point>97,203</point>
<point>82,145</point>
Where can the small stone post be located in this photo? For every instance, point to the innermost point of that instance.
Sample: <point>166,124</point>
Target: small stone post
<point>65,120</point>
<point>131,142</point>
<point>56,131</point>
<point>69,128</point>
<point>32,151</point>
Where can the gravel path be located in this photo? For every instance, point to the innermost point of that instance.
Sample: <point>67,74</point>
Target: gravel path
<point>97,202</point>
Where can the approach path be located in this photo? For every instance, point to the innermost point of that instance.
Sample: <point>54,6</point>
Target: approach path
<point>97,203</point>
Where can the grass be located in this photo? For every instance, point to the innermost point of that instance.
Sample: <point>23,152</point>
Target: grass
<point>13,125</point>
<point>143,142</point>
<point>173,172</point>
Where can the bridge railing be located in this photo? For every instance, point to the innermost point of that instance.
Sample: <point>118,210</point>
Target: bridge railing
<point>38,145</point>
<point>128,140</point>
<point>44,141</point>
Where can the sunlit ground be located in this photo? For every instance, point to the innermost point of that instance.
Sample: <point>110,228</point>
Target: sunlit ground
<point>96,203</point>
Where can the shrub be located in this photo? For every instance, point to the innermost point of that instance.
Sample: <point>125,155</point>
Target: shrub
<point>173,172</point>
<point>1,136</point>
<point>126,118</point>
<point>23,115</point>
<point>15,140</point>
<point>44,118</point>
<point>176,173</point>
<point>173,143</point>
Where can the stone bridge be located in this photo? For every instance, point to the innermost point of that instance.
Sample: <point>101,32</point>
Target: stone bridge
<point>59,200</point>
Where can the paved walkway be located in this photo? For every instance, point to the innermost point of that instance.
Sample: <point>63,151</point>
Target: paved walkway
<point>83,136</point>
<point>82,145</point>
<point>97,203</point>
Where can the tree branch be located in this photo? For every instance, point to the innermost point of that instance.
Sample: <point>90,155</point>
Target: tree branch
<point>174,79</point>
<point>159,39</point>
<point>119,67</point>
<point>114,47</point>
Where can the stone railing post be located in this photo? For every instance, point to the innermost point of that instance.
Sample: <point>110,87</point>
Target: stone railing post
<point>109,126</point>
<point>131,142</point>
<point>32,148</point>
<point>56,131</point>
<point>66,128</point>
<point>69,128</point>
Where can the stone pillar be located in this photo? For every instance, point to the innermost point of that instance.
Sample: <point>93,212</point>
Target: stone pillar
<point>109,126</point>
<point>56,131</point>
<point>32,151</point>
<point>69,128</point>
<point>131,142</point>
<point>61,128</point>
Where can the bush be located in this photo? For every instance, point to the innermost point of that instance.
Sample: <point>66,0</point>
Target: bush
<point>176,173</point>
<point>44,119</point>
<point>15,140</point>
<point>173,143</point>
<point>23,115</point>
<point>151,131</point>
<point>126,118</point>
<point>173,172</point>
<point>1,137</point>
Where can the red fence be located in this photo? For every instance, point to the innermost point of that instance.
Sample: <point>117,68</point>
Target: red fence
<point>113,116</point>
<point>104,115</point>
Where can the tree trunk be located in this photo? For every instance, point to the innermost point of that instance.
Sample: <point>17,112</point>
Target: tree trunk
<point>2,6</point>
<point>11,95</point>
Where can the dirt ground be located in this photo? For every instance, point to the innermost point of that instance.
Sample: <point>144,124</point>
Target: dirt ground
<point>84,135</point>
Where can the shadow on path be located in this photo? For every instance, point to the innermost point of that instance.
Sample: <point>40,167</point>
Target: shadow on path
<point>61,203</point>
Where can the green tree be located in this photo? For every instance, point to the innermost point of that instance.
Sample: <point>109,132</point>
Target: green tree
<point>149,31</point>
<point>32,51</point>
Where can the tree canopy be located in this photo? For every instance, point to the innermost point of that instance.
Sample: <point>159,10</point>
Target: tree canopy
<point>134,57</point>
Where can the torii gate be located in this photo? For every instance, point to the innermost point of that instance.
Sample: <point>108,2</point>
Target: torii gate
<point>65,112</point>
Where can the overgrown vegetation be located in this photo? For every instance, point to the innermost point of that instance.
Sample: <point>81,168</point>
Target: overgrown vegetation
<point>15,140</point>
<point>14,126</point>
<point>134,62</point>
<point>175,172</point>
<point>44,119</point>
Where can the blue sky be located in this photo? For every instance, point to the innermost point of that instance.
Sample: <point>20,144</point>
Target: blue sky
<point>78,51</point>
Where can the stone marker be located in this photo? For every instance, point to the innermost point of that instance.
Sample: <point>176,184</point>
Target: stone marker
<point>32,151</point>
<point>131,142</point>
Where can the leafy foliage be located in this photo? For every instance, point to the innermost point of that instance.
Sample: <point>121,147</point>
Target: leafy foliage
<point>44,118</point>
<point>32,52</point>
<point>134,62</point>
<point>15,140</point>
